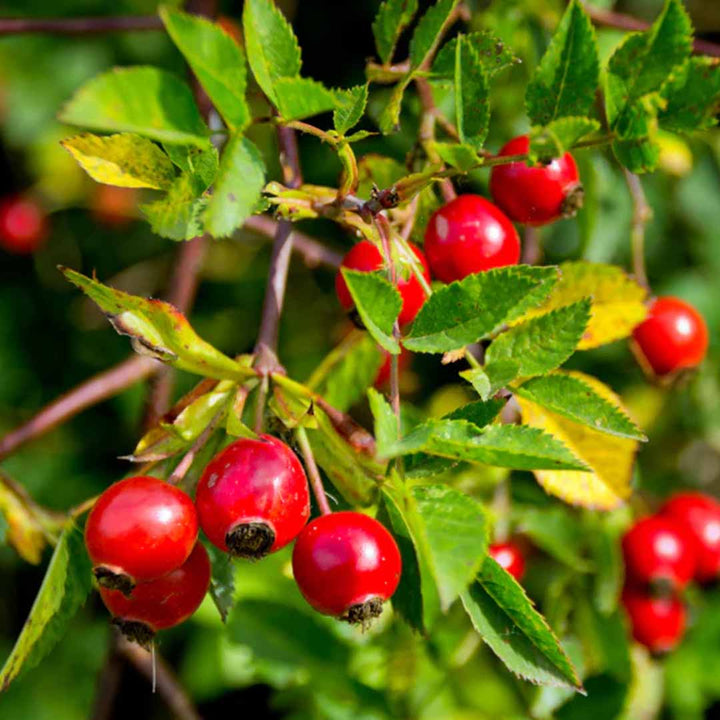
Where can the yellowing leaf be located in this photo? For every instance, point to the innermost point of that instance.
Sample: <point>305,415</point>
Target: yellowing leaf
<point>611,458</point>
<point>125,160</point>
<point>618,301</point>
<point>25,533</point>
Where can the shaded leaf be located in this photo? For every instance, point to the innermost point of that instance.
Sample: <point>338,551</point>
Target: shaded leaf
<point>493,377</point>
<point>493,53</point>
<point>222,580</point>
<point>143,100</point>
<point>692,94</point>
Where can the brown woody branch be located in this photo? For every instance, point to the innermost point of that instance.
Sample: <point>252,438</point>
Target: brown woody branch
<point>621,21</point>
<point>79,26</point>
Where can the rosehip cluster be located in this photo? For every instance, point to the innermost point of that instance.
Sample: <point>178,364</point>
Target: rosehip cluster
<point>470,235</point>
<point>663,553</point>
<point>673,337</point>
<point>251,500</point>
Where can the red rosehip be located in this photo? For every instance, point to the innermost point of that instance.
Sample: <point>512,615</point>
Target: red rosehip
<point>536,194</point>
<point>346,564</point>
<point>658,623</point>
<point>365,257</point>
<point>672,337</point>
<point>700,515</point>
<point>23,225</point>
<point>253,497</point>
<point>162,603</point>
<point>510,557</point>
<point>659,550</point>
<point>469,235</point>
<point>383,376</point>
<point>139,529</point>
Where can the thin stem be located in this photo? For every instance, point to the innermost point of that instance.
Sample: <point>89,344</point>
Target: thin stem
<point>641,216</point>
<point>532,250</point>
<point>184,465</point>
<point>600,16</point>
<point>79,26</point>
<point>501,510</point>
<point>314,474</point>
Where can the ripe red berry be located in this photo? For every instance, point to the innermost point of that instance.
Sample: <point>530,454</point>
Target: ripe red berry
<point>658,623</point>
<point>672,337</point>
<point>139,529</point>
<point>700,516</point>
<point>536,194</point>
<point>23,225</point>
<point>162,603</point>
<point>346,564</point>
<point>510,557</point>
<point>253,497</point>
<point>383,376</point>
<point>469,235</point>
<point>659,550</point>
<point>365,257</point>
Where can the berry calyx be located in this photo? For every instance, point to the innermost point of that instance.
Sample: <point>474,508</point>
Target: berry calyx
<point>253,498</point>
<point>700,516</point>
<point>23,225</point>
<point>658,551</point>
<point>510,557</point>
<point>347,565</point>
<point>536,194</point>
<point>658,623</point>
<point>162,603</point>
<point>139,529</point>
<point>672,337</point>
<point>365,257</point>
<point>469,235</point>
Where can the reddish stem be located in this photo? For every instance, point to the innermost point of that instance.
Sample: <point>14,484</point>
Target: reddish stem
<point>313,473</point>
<point>79,26</point>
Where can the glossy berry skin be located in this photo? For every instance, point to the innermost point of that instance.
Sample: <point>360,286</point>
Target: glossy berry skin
<point>142,528</point>
<point>510,558</point>
<point>658,550</point>
<point>253,497</point>
<point>700,515</point>
<point>382,379</point>
<point>469,235</point>
<point>672,337</point>
<point>658,623</point>
<point>23,225</point>
<point>365,257</point>
<point>346,564</point>
<point>535,194</point>
<point>162,603</point>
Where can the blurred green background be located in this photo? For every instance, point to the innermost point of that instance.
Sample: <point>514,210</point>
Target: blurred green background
<point>278,660</point>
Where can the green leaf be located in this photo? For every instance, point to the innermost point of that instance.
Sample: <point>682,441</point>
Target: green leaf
<point>378,303</point>
<point>491,378</point>
<point>125,160</point>
<point>390,117</point>
<point>570,397</point>
<point>64,588</point>
<point>479,413</point>
<point>472,104</point>
<point>350,106</point>
<point>158,329</point>
<point>391,19</point>
<point>217,61</point>
<point>507,621</point>
<point>429,31</point>
<point>608,699</point>
<point>222,581</point>
<point>238,187</point>
<point>492,52</point>
<point>457,155</point>
<point>692,95</point>
<point>178,216</point>
<point>567,77</point>
<point>465,311</point>
<point>643,61</point>
<point>272,48</point>
<point>386,424</point>
<point>544,342</point>
<point>557,137</point>
<point>297,98</point>
<point>201,164</point>
<point>513,446</point>
<point>143,100</point>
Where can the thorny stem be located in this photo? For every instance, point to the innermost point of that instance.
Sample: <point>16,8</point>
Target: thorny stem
<point>314,474</point>
<point>600,16</point>
<point>641,215</point>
